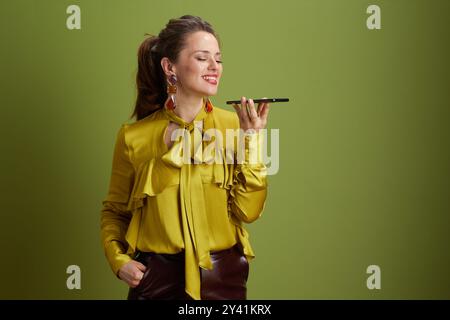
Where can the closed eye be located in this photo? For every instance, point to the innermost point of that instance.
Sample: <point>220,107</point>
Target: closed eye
<point>218,61</point>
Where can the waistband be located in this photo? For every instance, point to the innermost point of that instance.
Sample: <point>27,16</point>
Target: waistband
<point>180,255</point>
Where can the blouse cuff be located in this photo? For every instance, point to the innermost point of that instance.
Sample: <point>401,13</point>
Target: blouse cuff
<point>116,257</point>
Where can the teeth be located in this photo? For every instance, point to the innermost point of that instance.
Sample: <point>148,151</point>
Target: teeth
<point>210,78</point>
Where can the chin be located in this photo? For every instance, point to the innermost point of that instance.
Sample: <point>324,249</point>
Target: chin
<point>208,92</point>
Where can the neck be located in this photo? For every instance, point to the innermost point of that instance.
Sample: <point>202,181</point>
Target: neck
<point>187,106</point>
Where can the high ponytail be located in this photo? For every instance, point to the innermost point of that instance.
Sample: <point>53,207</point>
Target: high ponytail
<point>150,78</point>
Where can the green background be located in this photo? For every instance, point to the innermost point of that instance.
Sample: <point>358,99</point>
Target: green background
<point>364,160</point>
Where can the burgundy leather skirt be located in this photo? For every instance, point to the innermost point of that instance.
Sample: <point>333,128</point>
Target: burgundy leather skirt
<point>164,277</point>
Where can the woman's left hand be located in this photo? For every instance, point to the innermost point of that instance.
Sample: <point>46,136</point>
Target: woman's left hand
<point>249,117</point>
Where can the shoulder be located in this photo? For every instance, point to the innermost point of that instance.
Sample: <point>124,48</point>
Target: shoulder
<point>142,138</point>
<point>147,126</point>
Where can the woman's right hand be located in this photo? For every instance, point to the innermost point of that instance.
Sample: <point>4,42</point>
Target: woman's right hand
<point>132,273</point>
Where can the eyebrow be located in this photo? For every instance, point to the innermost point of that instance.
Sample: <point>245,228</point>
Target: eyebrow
<point>206,51</point>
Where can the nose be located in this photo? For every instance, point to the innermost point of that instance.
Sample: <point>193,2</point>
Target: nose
<point>213,64</point>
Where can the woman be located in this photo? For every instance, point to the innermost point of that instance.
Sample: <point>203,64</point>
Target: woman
<point>171,229</point>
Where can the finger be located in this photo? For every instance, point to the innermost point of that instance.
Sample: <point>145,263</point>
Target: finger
<point>260,106</point>
<point>140,266</point>
<point>244,113</point>
<point>264,112</point>
<point>253,115</point>
<point>140,276</point>
<point>237,108</point>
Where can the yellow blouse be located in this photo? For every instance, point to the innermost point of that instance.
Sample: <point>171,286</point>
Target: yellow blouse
<point>161,205</point>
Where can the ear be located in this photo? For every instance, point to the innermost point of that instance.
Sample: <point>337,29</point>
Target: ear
<point>168,66</point>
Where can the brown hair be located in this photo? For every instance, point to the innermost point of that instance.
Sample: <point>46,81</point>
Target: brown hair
<point>150,78</point>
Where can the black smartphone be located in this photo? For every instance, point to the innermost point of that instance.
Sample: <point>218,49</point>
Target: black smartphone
<point>260,100</point>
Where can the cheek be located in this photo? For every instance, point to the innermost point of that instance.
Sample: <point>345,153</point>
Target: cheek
<point>194,70</point>
<point>193,73</point>
<point>188,75</point>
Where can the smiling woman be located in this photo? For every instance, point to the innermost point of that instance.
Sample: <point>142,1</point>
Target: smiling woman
<point>198,71</point>
<point>170,229</point>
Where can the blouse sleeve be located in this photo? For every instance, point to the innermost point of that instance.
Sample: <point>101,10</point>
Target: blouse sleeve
<point>115,217</point>
<point>249,191</point>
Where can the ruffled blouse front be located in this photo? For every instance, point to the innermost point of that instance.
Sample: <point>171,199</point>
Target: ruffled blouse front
<point>159,203</point>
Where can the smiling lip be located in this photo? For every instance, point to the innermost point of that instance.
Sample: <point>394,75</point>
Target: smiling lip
<point>210,78</point>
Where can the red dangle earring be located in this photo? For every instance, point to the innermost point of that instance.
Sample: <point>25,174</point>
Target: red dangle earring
<point>170,103</point>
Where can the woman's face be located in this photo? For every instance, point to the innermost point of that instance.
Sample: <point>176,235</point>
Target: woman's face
<point>199,65</point>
